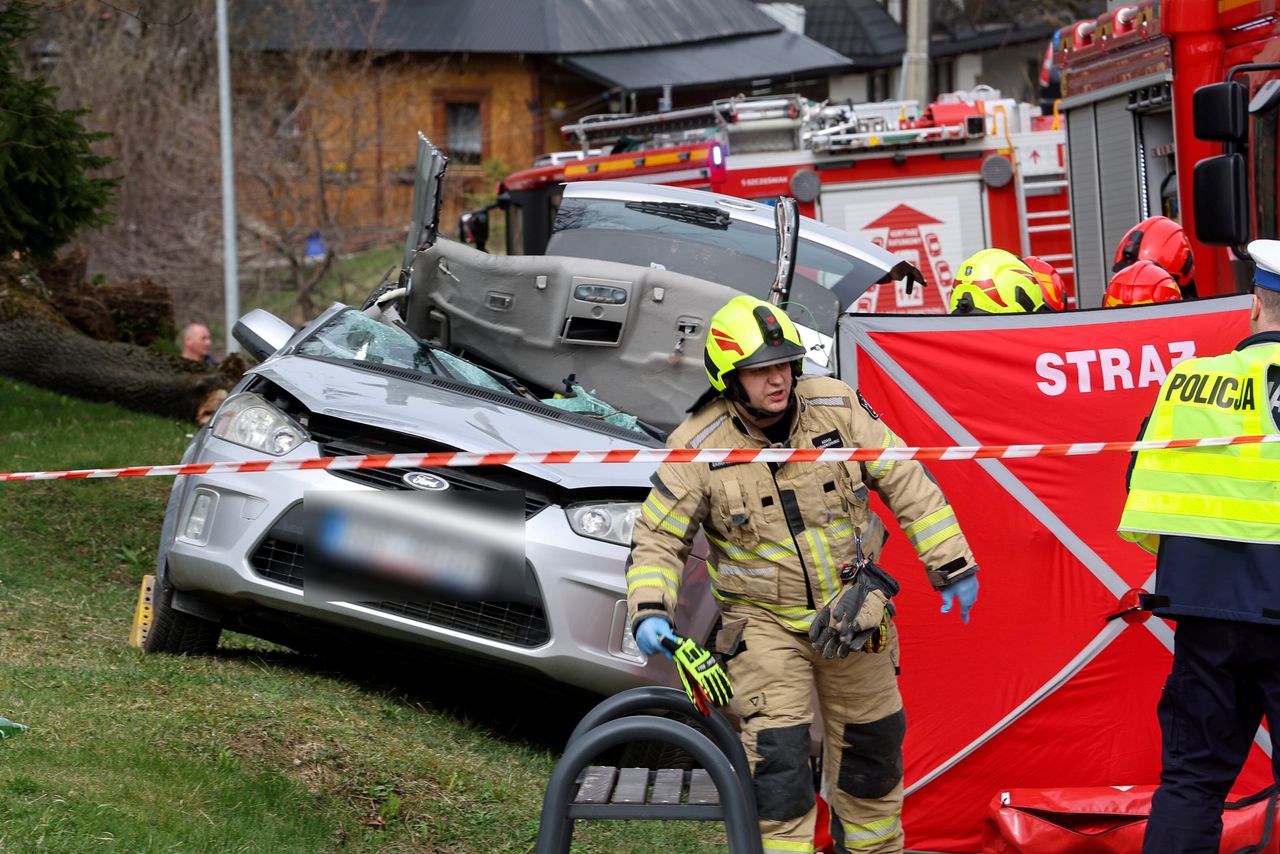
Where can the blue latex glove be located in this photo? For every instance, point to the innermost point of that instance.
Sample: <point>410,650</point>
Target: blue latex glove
<point>964,591</point>
<point>649,635</point>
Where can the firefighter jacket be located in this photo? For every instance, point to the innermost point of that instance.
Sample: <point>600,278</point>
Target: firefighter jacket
<point>1213,513</point>
<point>778,534</point>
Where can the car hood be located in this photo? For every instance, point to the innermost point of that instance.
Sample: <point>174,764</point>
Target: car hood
<point>460,420</point>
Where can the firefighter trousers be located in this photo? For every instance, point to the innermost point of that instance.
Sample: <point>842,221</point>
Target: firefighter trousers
<point>775,673</point>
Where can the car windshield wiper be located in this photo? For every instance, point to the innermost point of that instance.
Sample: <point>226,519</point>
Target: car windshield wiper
<point>681,212</point>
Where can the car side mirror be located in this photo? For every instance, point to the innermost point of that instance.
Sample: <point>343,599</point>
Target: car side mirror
<point>1222,200</point>
<point>1220,112</point>
<point>261,333</point>
<point>473,227</point>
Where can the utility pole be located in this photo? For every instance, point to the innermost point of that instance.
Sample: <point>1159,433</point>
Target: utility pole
<point>915,60</point>
<point>230,271</point>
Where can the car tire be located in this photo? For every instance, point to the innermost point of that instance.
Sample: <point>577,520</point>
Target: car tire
<point>178,633</point>
<point>656,754</point>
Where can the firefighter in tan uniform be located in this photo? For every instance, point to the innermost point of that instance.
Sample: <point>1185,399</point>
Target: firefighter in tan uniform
<point>779,536</point>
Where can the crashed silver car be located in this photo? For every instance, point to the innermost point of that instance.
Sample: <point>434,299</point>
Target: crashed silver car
<point>470,352</point>
<point>357,381</point>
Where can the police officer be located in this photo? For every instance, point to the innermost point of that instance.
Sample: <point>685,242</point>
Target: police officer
<point>778,536</point>
<point>1212,515</point>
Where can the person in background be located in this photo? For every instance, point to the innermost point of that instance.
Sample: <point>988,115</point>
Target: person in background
<point>1141,283</point>
<point>196,343</point>
<point>792,550</point>
<point>1055,289</point>
<point>1163,241</point>
<point>994,281</point>
<point>1212,517</point>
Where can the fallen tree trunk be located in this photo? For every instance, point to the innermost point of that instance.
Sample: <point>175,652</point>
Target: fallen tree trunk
<point>43,352</point>
<point>39,345</point>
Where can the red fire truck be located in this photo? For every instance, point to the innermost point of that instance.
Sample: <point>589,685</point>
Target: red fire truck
<point>970,171</point>
<point>1128,83</point>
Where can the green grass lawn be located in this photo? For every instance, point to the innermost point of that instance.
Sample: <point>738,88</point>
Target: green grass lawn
<point>254,749</point>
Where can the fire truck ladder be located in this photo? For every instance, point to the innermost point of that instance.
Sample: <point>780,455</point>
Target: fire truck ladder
<point>1037,226</point>
<point>718,116</point>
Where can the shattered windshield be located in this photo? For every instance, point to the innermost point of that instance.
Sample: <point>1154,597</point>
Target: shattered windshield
<point>353,337</point>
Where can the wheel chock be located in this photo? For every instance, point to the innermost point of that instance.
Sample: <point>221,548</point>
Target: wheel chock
<point>143,611</point>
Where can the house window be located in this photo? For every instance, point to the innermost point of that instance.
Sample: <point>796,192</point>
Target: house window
<point>462,132</point>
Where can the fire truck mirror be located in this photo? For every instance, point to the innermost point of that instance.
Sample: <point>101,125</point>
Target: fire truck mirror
<point>1219,112</point>
<point>1222,200</point>
<point>997,171</point>
<point>805,185</point>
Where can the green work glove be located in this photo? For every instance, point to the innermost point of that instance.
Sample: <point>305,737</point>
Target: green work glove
<point>855,618</point>
<point>700,672</point>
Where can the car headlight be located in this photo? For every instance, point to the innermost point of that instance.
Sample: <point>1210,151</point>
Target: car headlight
<point>611,521</point>
<point>252,422</point>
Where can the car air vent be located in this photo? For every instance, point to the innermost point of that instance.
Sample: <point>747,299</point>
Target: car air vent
<point>399,373</point>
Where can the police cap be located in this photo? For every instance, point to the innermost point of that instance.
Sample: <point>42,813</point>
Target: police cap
<point>1266,259</point>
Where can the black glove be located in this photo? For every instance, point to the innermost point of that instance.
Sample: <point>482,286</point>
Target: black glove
<point>909,273</point>
<point>856,615</point>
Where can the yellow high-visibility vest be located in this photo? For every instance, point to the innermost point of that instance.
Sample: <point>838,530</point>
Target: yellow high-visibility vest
<point>1230,492</point>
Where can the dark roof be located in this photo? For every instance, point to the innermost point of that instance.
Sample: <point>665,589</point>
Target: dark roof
<point>496,26</point>
<point>865,32</point>
<point>973,40</point>
<point>860,29</point>
<point>772,55</point>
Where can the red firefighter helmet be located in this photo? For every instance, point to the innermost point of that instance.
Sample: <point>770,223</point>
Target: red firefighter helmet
<point>1142,283</point>
<point>1163,241</point>
<point>1055,290</point>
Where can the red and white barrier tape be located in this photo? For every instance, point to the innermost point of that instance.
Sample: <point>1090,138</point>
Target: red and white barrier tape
<point>649,456</point>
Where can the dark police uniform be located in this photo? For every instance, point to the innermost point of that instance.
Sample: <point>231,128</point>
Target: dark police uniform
<point>1213,516</point>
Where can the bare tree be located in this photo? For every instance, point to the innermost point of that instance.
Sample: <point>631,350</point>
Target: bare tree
<point>146,71</point>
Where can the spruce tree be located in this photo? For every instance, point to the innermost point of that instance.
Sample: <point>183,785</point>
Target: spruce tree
<point>47,190</point>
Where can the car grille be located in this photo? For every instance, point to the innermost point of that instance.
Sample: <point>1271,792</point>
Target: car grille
<point>516,623</point>
<point>338,438</point>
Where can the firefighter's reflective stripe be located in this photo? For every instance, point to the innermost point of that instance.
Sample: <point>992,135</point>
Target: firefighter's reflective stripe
<point>1231,492</point>
<point>872,834</point>
<point>820,551</point>
<point>696,441</point>
<point>730,569</point>
<point>930,530</point>
<point>767,550</point>
<point>668,580</point>
<point>796,617</point>
<point>880,468</point>
<point>785,845</point>
<point>662,516</point>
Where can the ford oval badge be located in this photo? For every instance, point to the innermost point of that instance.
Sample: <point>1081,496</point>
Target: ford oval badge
<point>422,480</point>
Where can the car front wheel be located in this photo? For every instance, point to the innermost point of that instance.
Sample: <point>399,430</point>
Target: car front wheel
<point>176,632</point>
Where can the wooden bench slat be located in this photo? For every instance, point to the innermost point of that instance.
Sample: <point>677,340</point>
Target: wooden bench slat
<point>668,786</point>
<point>701,789</point>
<point>597,785</point>
<point>632,786</point>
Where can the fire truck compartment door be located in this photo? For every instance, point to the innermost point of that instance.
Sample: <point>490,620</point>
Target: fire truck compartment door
<point>934,223</point>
